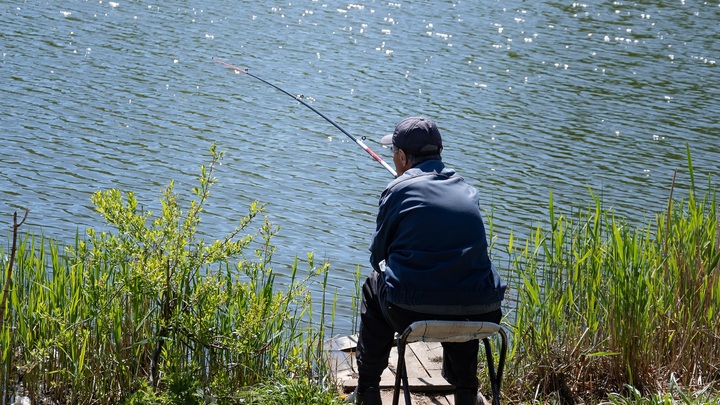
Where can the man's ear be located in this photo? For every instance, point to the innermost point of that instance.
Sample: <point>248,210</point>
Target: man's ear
<point>404,161</point>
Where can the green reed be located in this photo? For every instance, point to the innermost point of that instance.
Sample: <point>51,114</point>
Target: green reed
<point>153,312</point>
<point>604,307</point>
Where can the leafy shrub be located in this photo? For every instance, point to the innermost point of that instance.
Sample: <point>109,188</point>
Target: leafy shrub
<point>151,312</point>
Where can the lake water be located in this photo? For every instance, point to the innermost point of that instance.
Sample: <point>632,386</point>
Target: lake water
<point>530,97</point>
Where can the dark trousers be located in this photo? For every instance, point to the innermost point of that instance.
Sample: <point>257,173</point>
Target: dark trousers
<point>380,320</point>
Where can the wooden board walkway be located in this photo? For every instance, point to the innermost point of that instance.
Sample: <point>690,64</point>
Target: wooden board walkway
<point>423,362</point>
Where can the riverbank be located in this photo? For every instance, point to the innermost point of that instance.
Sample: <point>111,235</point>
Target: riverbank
<point>151,313</point>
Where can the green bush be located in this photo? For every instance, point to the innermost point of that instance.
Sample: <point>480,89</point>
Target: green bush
<point>152,313</point>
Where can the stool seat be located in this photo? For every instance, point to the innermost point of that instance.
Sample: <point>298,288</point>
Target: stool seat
<point>451,331</point>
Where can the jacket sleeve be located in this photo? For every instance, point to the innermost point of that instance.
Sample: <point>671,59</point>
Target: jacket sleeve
<point>381,236</point>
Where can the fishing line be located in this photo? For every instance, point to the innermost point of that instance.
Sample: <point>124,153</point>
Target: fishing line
<point>299,99</point>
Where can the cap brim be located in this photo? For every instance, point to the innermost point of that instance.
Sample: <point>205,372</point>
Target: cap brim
<point>386,140</point>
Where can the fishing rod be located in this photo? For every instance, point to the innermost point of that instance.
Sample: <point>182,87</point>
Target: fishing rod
<point>299,99</point>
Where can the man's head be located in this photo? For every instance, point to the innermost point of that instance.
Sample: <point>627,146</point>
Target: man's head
<point>415,140</point>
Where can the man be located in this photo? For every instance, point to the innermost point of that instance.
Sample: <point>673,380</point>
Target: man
<point>430,259</point>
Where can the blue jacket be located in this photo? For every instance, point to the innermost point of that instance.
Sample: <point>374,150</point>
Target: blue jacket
<point>431,237</point>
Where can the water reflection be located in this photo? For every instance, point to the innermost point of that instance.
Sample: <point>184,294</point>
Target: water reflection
<point>531,98</point>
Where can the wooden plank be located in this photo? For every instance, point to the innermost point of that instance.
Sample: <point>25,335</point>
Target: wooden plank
<point>439,399</point>
<point>342,343</point>
<point>431,356</point>
<point>388,375</point>
<point>429,384</point>
<point>392,360</point>
<point>340,361</point>
<point>413,363</point>
<point>423,362</point>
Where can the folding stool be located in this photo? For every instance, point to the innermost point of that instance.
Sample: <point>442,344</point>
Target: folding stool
<point>451,331</point>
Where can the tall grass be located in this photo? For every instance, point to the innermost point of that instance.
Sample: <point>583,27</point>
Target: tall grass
<point>607,308</point>
<point>153,313</point>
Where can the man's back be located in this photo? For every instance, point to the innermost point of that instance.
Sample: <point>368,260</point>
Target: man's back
<point>431,235</point>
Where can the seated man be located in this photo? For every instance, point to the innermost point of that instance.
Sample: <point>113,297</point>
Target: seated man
<point>430,259</point>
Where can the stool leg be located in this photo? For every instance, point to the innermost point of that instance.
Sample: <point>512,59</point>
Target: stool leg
<point>406,386</point>
<point>501,361</point>
<point>399,372</point>
<point>494,383</point>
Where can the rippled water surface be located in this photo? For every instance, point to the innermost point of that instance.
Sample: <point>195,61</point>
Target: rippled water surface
<point>530,97</point>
